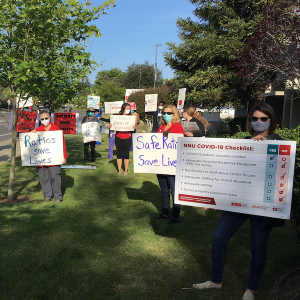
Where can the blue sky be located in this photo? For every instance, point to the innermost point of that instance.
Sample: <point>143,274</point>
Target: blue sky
<point>131,30</point>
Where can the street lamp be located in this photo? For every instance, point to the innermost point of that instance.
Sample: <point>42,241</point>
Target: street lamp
<point>155,75</point>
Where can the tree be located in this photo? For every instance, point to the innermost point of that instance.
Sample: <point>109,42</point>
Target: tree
<point>107,85</point>
<point>41,46</point>
<point>141,76</point>
<point>203,61</point>
<point>273,54</point>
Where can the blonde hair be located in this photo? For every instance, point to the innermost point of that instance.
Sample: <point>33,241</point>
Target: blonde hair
<point>175,118</point>
<point>191,111</point>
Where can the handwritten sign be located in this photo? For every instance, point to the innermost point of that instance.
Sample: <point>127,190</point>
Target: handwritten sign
<point>181,98</point>
<point>151,102</point>
<point>27,121</point>
<point>42,148</point>
<point>113,107</point>
<point>67,122</point>
<point>122,123</point>
<point>236,175</point>
<point>154,153</point>
<point>190,127</point>
<point>91,132</point>
<point>128,92</point>
<point>93,101</point>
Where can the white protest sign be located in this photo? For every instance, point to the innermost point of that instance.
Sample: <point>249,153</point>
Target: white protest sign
<point>91,132</point>
<point>190,126</point>
<point>242,176</point>
<point>151,102</point>
<point>24,102</point>
<point>122,123</point>
<point>113,107</point>
<point>93,101</point>
<point>181,98</point>
<point>154,153</point>
<point>128,92</point>
<point>42,148</point>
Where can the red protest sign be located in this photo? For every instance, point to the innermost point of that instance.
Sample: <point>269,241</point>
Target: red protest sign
<point>67,122</point>
<point>26,121</point>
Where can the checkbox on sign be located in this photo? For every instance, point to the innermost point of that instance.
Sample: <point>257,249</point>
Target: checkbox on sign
<point>281,192</point>
<point>269,191</point>
<point>270,176</point>
<point>269,198</point>
<point>271,165</point>
<point>270,184</point>
<point>283,159</point>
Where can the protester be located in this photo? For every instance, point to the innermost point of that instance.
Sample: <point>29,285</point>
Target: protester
<point>98,116</point>
<point>123,142</point>
<point>190,114</point>
<point>50,176</point>
<point>157,115</point>
<point>261,124</point>
<point>89,118</point>
<point>170,123</point>
<point>111,135</point>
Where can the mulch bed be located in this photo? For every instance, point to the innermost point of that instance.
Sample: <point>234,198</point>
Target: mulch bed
<point>17,199</point>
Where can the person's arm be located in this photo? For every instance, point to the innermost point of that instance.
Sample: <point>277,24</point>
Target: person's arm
<point>105,120</point>
<point>201,127</point>
<point>84,120</point>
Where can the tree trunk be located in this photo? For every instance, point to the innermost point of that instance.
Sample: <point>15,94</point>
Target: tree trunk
<point>13,154</point>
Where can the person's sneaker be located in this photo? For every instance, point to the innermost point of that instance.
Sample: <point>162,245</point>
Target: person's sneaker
<point>207,285</point>
<point>58,201</point>
<point>248,295</point>
<point>173,221</point>
<point>47,199</point>
<point>161,217</point>
<point>125,173</point>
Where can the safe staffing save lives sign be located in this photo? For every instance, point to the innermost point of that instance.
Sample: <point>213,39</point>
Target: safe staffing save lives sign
<point>236,175</point>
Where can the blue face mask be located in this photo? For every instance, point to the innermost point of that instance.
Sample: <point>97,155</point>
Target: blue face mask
<point>91,114</point>
<point>132,111</point>
<point>260,126</point>
<point>167,118</point>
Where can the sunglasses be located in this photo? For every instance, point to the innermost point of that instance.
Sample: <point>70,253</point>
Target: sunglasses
<point>263,119</point>
<point>44,119</point>
<point>167,113</point>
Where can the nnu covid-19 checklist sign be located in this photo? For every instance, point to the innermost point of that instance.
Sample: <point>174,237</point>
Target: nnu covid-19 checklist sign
<point>243,176</point>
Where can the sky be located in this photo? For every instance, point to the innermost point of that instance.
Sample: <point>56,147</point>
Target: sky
<point>131,30</point>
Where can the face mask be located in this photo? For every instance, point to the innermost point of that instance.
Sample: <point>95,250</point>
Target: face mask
<point>47,108</point>
<point>160,107</point>
<point>132,111</point>
<point>91,114</point>
<point>260,126</point>
<point>45,122</point>
<point>127,111</point>
<point>167,118</point>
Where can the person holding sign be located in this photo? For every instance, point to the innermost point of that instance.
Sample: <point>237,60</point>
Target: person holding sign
<point>50,176</point>
<point>123,142</point>
<point>170,123</point>
<point>190,114</point>
<point>261,124</point>
<point>157,116</point>
<point>89,118</point>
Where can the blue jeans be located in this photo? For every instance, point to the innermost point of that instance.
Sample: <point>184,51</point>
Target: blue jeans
<point>167,184</point>
<point>228,224</point>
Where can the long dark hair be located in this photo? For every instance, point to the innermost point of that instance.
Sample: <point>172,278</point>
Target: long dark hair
<point>123,108</point>
<point>266,109</point>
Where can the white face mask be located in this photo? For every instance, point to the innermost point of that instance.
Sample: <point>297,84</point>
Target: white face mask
<point>45,122</point>
<point>160,107</point>
<point>127,111</point>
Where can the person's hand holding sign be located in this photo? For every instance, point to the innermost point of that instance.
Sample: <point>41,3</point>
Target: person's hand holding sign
<point>188,134</point>
<point>34,131</point>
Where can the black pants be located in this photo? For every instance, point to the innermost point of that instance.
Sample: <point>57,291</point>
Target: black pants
<point>123,146</point>
<point>86,151</point>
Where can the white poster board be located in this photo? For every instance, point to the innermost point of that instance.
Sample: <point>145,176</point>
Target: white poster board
<point>122,123</point>
<point>91,132</point>
<point>190,126</point>
<point>93,101</point>
<point>113,107</point>
<point>24,102</point>
<point>236,175</point>
<point>151,102</point>
<point>154,153</point>
<point>42,148</point>
<point>181,98</point>
<point>128,92</point>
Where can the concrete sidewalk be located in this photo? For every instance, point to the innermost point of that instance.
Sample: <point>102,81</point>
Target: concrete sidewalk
<point>5,150</point>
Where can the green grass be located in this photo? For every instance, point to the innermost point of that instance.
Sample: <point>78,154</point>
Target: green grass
<point>104,242</point>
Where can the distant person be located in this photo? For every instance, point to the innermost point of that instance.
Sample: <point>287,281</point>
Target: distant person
<point>261,124</point>
<point>50,176</point>
<point>89,118</point>
<point>157,115</point>
<point>190,115</point>
<point>170,123</point>
<point>98,116</point>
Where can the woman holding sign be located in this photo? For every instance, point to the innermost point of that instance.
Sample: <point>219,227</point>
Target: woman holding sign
<point>50,176</point>
<point>123,142</point>
<point>170,123</point>
<point>261,124</point>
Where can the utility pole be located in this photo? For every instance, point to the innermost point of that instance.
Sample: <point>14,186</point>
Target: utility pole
<point>155,74</point>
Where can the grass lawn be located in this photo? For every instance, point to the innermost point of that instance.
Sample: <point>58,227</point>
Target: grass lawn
<point>104,242</point>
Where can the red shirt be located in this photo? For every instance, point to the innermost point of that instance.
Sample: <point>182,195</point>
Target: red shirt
<point>123,134</point>
<point>175,128</point>
<point>53,128</point>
